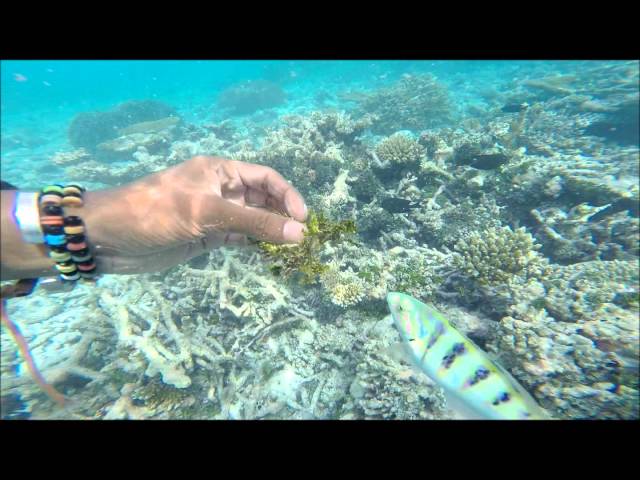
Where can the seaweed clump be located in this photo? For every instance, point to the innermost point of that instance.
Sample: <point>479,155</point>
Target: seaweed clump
<point>304,258</point>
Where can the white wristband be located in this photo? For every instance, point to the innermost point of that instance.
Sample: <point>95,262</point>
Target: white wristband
<point>27,217</point>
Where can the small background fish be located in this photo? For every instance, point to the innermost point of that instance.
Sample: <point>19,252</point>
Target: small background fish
<point>398,205</point>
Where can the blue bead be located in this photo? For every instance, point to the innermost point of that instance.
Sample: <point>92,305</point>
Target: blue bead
<point>55,239</point>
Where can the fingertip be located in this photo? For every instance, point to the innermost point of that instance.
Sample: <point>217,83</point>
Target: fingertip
<point>295,205</point>
<point>292,232</point>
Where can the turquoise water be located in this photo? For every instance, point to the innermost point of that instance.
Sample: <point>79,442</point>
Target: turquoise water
<point>435,161</point>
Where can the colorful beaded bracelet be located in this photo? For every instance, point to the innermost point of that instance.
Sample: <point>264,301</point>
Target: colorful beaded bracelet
<point>65,235</point>
<point>78,247</point>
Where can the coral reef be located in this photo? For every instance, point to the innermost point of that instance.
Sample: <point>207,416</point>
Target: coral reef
<point>65,343</point>
<point>572,372</point>
<point>520,222</point>
<point>382,390</point>
<point>574,292</point>
<point>93,171</point>
<point>570,237</point>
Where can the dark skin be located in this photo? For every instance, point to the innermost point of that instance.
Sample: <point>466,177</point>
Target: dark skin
<point>169,217</point>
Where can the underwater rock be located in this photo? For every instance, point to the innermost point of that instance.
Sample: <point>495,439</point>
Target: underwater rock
<point>622,126</point>
<point>88,129</point>
<point>250,96</point>
<point>154,136</point>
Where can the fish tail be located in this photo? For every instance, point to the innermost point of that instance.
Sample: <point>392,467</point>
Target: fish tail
<point>26,354</point>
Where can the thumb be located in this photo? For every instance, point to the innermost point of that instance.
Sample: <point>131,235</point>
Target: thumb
<point>259,223</point>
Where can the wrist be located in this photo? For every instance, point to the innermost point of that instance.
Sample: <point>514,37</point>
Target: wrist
<point>96,213</point>
<point>19,258</point>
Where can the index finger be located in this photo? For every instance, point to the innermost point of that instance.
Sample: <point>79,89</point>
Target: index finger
<point>267,180</point>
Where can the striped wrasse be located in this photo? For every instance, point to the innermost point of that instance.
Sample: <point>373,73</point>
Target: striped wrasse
<point>471,381</point>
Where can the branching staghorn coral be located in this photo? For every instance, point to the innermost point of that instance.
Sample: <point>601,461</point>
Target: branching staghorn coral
<point>66,339</point>
<point>150,331</point>
<point>573,236</point>
<point>311,148</point>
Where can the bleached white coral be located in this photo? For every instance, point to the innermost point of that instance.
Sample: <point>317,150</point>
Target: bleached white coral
<point>340,193</point>
<point>345,287</point>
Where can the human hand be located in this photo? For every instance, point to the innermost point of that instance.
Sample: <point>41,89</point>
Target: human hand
<point>176,214</point>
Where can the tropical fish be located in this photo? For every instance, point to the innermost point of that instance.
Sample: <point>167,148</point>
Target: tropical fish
<point>475,386</point>
<point>515,107</point>
<point>398,205</point>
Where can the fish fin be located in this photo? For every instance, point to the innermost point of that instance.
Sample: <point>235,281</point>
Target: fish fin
<point>459,409</point>
<point>398,352</point>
